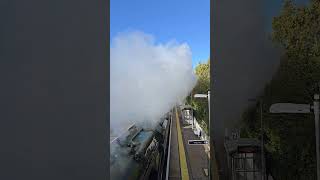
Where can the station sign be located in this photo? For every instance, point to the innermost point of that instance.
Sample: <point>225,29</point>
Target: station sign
<point>197,142</point>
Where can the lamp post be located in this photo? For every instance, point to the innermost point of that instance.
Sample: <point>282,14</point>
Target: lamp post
<point>208,97</point>
<point>303,109</point>
<point>262,138</point>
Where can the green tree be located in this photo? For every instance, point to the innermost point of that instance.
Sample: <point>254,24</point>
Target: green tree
<point>202,72</point>
<point>290,138</point>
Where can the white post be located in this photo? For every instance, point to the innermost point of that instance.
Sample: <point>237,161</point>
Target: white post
<point>316,120</point>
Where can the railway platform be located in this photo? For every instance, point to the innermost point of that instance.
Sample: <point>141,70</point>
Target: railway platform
<point>187,162</point>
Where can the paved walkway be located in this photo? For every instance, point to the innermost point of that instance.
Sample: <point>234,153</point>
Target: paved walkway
<point>198,160</point>
<point>187,162</point>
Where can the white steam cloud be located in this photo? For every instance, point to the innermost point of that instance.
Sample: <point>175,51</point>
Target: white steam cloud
<point>147,79</point>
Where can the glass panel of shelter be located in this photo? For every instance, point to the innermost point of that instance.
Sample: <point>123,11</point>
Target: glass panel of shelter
<point>246,166</point>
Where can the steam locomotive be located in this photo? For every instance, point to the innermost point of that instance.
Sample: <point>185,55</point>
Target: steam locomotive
<point>140,153</point>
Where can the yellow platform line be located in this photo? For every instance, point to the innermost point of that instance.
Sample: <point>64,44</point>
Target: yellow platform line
<point>182,154</point>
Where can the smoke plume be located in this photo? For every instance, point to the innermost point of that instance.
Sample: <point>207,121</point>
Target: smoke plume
<point>147,79</point>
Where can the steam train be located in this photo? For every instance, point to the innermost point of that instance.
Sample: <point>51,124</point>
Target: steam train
<point>140,153</point>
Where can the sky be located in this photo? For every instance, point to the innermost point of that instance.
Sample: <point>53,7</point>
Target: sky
<point>185,21</point>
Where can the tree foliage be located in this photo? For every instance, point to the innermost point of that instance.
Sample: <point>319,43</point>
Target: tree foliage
<point>290,138</point>
<point>200,106</point>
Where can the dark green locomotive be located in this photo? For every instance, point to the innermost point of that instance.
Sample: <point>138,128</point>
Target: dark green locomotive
<point>139,154</point>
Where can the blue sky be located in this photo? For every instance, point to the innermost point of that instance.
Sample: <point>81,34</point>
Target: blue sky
<point>181,20</point>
